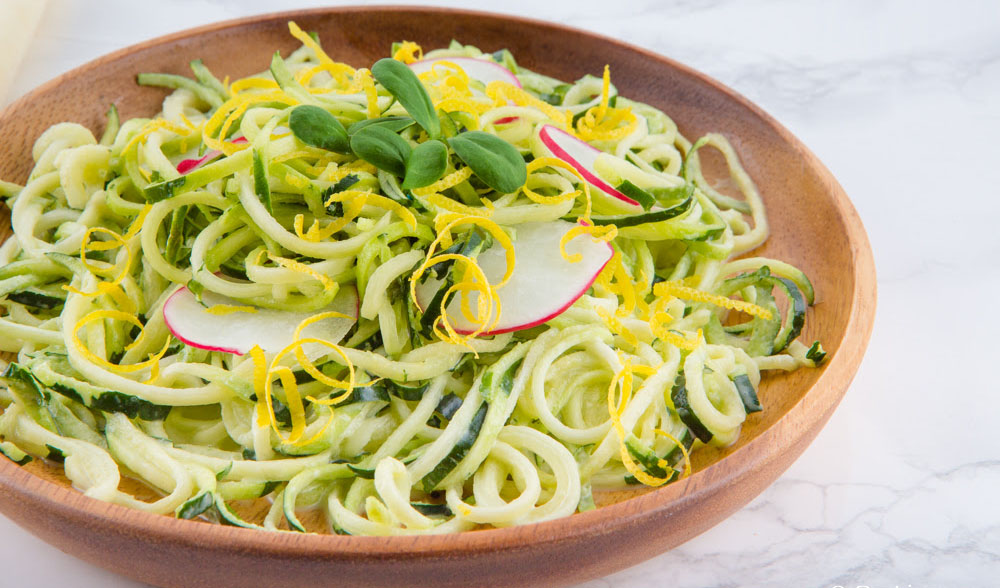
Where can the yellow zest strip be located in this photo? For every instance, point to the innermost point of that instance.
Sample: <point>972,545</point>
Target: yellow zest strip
<point>292,399</point>
<point>684,451</point>
<point>602,109</point>
<point>232,109</point>
<point>640,300</point>
<point>449,181</point>
<point>543,162</point>
<point>384,203</point>
<point>555,162</point>
<point>590,128</point>
<point>484,304</point>
<point>447,77</point>
<point>97,315</point>
<point>408,52</point>
<point>323,429</point>
<point>602,122</point>
<point>357,200</point>
<point>304,76</point>
<point>259,385</point>
<point>470,283</point>
<point>136,225</point>
<point>334,172</point>
<point>253,83</point>
<point>616,327</point>
<point>300,154</point>
<point>340,72</point>
<point>606,233</point>
<point>614,277</point>
<point>441,201</point>
<point>302,268</point>
<point>473,278</point>
<point>224,309</point>
<point>679,341</point>
<point>187,122</point>
<point>504,92</point>
<point>687,293</point>
<point>463,104</point>
<point>309,42</point>
<point>616,410</point>
<point>296,347</point>
<point>296,181</point>
<point>113,288</point>
<point>87,245</point>
<point>359,165</point>
<point>320,376</point>
<point>447,82</point>
<point>230,148</point>
<point>264,374</point>
<point>153,126</point>
<point>346,195</point>
<point>449,222</point>
<point>367,83</point>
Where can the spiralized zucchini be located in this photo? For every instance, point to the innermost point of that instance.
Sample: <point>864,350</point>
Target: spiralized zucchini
<point>408,425</point>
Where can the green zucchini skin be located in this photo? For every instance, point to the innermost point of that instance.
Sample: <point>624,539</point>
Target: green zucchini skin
<point>229,518</point>
<point>684,411</point>
<point>449,405</point>
<point>48,374</point>
<point>646,217</point>
<point>374,393</point>
<point>440,510</point>
<point>795,316</point>
<point>14,453</point>
<point>759,336</point>
<point>816,353</point>
<point>36,299</point>
<point>747,393</point>
<point>408,393</point>
<point>471,247</point>
<point>363,473</point>
<point>458,452</point>
<point>30,394</point>
<point>652,465</point>
<point>196,506</point>
<point>55,454</point>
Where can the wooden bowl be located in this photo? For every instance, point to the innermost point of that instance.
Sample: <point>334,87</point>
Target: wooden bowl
<point>813,225</point>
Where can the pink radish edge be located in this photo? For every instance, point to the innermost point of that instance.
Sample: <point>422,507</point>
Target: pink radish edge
<point>189,165</point>
<point>506,74</point>
<point>550,316</point>
<point>186,341</point>
<point>545,135</point>
<point>509,76</point>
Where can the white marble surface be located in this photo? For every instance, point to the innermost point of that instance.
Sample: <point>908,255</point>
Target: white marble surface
<point>901,100</point>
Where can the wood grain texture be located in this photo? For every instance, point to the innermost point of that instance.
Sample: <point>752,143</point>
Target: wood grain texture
<point>813,225</point>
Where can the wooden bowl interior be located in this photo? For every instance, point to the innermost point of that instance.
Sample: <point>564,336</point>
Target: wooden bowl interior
<point>812,224</point>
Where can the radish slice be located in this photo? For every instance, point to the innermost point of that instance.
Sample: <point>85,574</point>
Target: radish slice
<point>237,332</point>
<point>483,70</point>
<point>543,283</point>
<point>581,156</point>
<point>188,165</point>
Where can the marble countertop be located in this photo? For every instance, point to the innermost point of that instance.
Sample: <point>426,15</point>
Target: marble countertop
<point>901,100</point>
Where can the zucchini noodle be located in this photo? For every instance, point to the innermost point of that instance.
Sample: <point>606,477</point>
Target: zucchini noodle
<point>368,205</point>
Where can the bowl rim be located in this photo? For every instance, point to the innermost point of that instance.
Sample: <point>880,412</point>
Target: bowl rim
<point>835,378</point>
